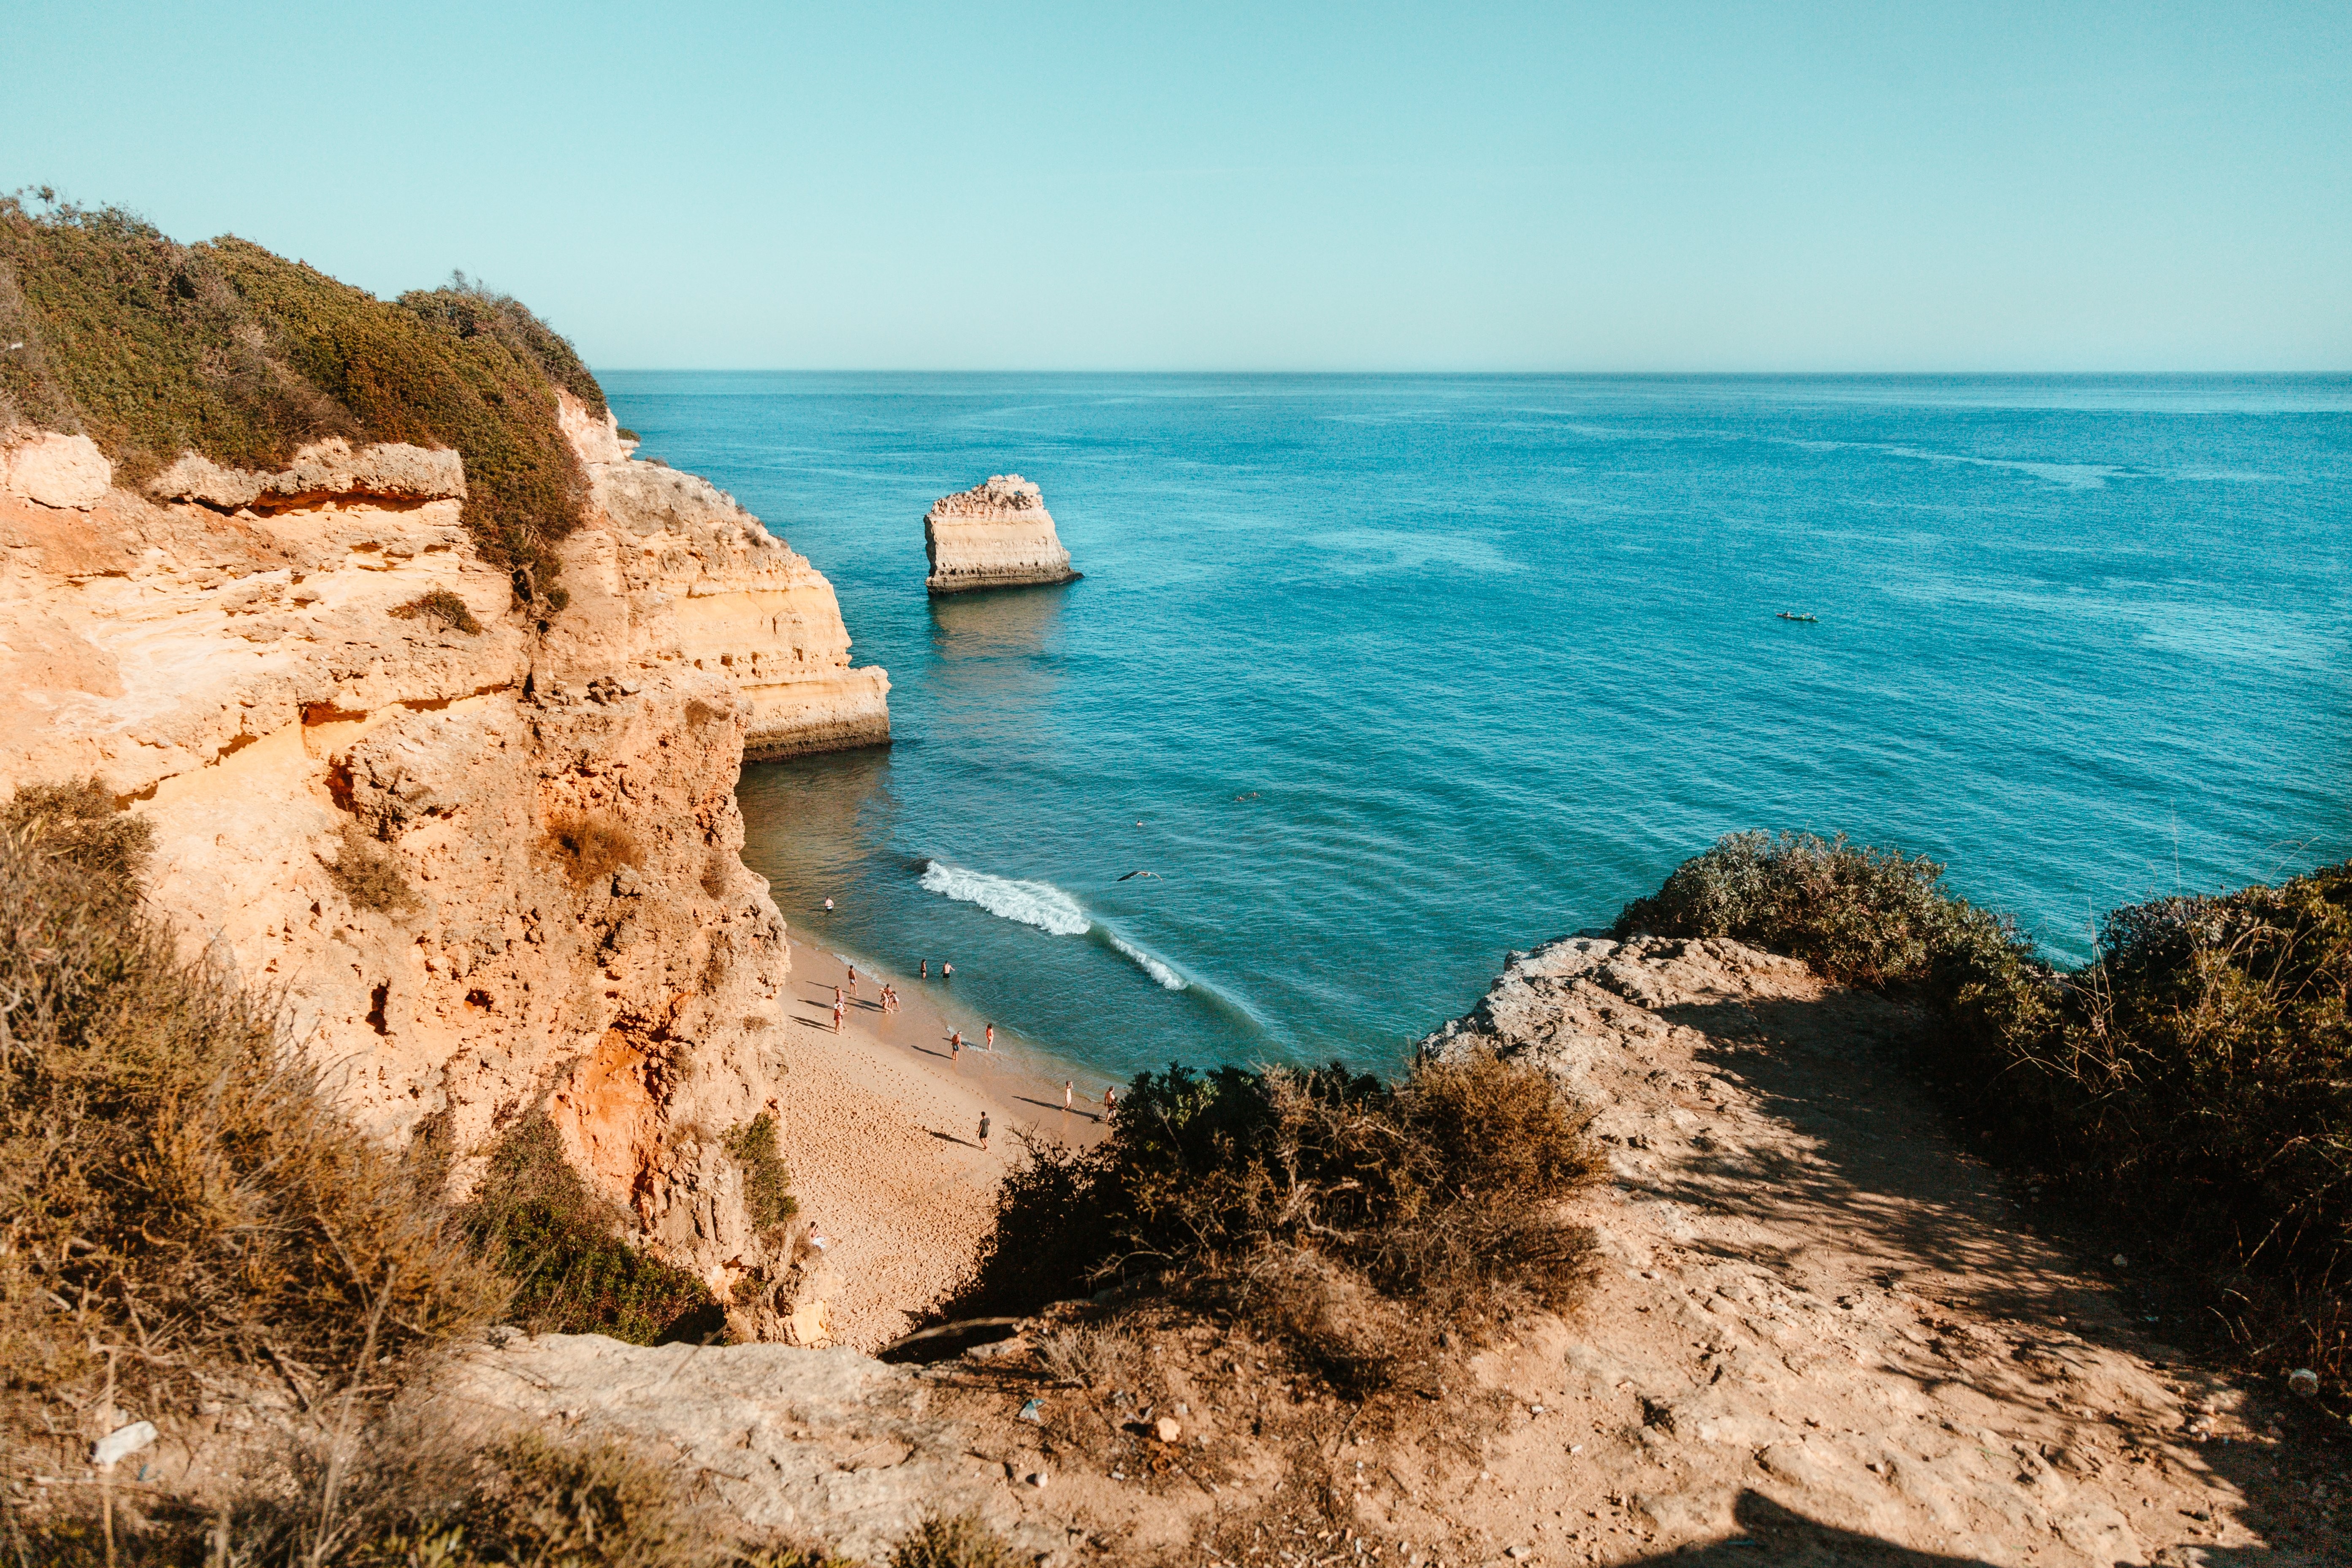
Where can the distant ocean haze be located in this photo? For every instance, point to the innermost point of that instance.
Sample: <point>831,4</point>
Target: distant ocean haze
<point>1380,677</point>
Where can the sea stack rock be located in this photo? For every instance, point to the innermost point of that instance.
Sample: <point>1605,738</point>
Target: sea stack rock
<point>996,535</point>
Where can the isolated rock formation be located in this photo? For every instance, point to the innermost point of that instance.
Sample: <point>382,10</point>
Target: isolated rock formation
<point>53,470</point>
<point>484,865</point>
<point>995,535</point>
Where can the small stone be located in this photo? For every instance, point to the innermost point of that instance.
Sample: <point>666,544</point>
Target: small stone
<point>122,1442</point>
<point>1037,1480</point>
<point>1167,1430</point>
<point>2304,1381</point>
<point>1033,1411</point>
<point>1517,1552</point>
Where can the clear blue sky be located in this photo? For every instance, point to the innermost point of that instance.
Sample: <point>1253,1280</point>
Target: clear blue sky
<point>1650,186</point>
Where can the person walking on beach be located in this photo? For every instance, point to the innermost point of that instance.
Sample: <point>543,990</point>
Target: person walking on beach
<point>1069,1092</point>
<point>890,999</point>
<point>991,1039</point>
<point>836,998</point>
<point>1110,1098</point>
<point>836,1017</point>
<point>955,1046</point>
<point>983,1132</point>
<point>853,981</point>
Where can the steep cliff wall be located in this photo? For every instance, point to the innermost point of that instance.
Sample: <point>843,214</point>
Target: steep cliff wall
<point>486,861</point>
<point>741,601</point>
<point>994,535</point>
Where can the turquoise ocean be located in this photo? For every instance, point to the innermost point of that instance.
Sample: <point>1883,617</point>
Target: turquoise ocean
<point>1382,676</point>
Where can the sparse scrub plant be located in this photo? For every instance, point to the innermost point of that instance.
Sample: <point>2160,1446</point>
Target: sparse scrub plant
<point>767,1181</point>
<point>365,872</point>
<point>589,845</point>
<point>962,1541</point>
<point>443,606</point>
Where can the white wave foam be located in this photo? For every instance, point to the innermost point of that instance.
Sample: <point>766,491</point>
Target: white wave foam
<point>1039,904</point>
<point>1149,962</point>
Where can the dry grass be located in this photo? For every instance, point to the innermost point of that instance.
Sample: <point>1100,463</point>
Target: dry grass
<point>1369,1226</point>
<point>180,1200</point>
<point>1087,1356</point>
<point>588,846</point>
<point>767,1181</point>
<point>440,604</point>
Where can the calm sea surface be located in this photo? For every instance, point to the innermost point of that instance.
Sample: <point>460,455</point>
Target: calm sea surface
<point>1382,676</point>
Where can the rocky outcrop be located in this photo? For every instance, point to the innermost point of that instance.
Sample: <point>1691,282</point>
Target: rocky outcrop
<point>330,469</point>
<point>739,600</point>
<point>994,535</point>
<point>53,470</point>
<point>482,871</point>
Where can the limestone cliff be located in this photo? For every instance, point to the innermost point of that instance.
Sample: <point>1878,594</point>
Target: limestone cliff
<point>484,861</point>
<point>995,535</point>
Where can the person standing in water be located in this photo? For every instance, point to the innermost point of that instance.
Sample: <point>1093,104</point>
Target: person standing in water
<point>947,970</point>
<point>927,969</point>
<point>991,1039</point>
<point>955,1046</point>
<point>983,1132</point>
<point>828,906</point>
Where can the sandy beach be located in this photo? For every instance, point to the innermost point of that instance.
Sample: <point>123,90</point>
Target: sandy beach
<point>881,1132</point>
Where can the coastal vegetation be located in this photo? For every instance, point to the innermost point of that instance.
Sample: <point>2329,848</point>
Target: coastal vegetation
<point>185,1212</point>
<point>1366,1225</point>
<point>152,348</point>
<point>2191,1087</point>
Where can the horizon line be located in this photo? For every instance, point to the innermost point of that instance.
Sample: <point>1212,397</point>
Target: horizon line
<point>2344,371</point>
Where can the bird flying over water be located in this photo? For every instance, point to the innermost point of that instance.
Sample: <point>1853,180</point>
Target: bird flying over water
<point>1139,874</point>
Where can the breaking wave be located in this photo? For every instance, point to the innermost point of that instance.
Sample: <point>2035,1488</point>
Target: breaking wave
<point>1151,963</point>
<point>1039,904</point>
<point>1044,906</point>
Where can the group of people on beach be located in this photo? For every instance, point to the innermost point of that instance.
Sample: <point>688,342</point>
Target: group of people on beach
<point>841,999</point>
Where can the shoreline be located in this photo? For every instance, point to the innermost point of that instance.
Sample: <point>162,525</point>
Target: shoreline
<point>880,1132</point>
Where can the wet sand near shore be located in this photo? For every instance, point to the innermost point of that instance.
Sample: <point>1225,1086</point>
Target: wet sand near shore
<point>881,1132</point>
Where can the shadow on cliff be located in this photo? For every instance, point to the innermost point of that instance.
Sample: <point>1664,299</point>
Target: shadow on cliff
<point>1879,1164</point>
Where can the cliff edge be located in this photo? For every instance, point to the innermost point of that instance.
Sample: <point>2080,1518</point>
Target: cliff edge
<point>993,535</point>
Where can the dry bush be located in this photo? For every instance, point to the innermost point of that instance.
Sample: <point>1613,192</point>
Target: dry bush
<point>178,1194</point>
<point>1087,1356</point>
<point>564,1248</point>
<point>1359,1219</point>
<point>440,604</point>
<point>589,846</point>
<point>961,1541</point>
<point>368,874</point>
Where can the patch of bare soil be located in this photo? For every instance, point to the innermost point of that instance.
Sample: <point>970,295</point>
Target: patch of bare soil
<point>1823,1332</point>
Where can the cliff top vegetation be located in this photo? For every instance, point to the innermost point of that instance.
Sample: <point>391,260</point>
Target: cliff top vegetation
<point>151,348</point>
<point>2191,1086</point>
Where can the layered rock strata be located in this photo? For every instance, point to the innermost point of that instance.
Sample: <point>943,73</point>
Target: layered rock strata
<point>993,535</point>
<point>739,600</point>
<point>487,865</point>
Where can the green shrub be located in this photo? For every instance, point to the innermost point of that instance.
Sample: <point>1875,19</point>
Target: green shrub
<point>173,1181</point>
<point>562,1247</point>
<point>767,1181</point>
<point>2193,1083</point>
<point>1358,1218</point>
<point>441,605</point>
<point>153,348</point>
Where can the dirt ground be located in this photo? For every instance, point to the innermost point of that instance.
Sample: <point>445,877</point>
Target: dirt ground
<point>1820,1332</point>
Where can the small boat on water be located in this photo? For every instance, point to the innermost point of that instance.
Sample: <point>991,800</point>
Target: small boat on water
<point>1792,615</point>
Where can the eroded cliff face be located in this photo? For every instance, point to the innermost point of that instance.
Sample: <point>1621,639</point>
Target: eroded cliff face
<point>993,535</point>
<point>739,600</point>
<point>482,870</point>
